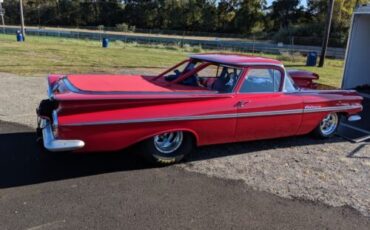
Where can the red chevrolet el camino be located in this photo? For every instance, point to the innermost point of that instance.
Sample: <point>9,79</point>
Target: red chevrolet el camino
<point>207,99</point>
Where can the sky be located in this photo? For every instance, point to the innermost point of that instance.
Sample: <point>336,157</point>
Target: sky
<point>303,2</point>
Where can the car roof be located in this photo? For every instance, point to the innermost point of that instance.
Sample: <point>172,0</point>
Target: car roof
<point>235,59</point>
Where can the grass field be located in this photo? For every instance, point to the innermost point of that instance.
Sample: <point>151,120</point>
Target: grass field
<point>39,56</point>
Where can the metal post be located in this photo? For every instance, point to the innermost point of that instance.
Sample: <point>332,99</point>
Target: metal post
<point>254,40</point>
<point>327,32</point>
<point>2,16</point>
<point>22,18</point>
<point>292,50</point>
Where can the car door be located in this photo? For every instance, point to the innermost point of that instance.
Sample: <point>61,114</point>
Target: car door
<point>264,110</point>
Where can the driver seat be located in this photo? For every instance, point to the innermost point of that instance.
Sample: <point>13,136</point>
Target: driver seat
<point>225,82</point>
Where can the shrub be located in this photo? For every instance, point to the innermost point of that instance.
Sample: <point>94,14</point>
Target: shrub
<point>292,57</point>
<point>197,49</point>
<point>123,27</point>
<point>119,43</point>
<point>159,46</point>
<point>100,27</point>
<point>173,47</point>
<point>133,44</point>
<point>187,47</point>
<point>310,34</point>
<point>132,28</point>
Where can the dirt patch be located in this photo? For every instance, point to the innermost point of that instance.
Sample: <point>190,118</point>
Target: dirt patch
<point>334,172</point>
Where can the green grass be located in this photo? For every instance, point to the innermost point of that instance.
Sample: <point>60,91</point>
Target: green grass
<point>44,55</point>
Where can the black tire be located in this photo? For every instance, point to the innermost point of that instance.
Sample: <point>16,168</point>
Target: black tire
<point>151,154</point>
<point>320,133</point>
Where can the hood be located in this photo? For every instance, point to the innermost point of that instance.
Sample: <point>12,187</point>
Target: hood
<point>115,83</point>
<point>98,87</point>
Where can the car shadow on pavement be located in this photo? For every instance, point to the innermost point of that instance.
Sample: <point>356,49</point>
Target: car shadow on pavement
<point>22,162</point>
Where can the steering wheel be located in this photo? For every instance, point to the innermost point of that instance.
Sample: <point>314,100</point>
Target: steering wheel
<point>177,72</point>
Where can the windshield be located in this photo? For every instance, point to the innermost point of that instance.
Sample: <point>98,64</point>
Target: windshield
<point>198,73</point>
<point>181,70</point>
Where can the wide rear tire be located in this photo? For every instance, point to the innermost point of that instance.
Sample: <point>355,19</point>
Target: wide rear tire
<point>327,127</point>
<point>167,148</point>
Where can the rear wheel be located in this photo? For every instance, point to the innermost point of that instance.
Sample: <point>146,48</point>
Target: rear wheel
<point>167,148</point>
<point>328,126</point>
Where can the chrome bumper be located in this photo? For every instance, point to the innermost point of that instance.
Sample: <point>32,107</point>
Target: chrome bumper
<point>55,145</point>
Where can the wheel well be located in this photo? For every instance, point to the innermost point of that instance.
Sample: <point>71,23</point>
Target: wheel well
<point>345,114</point>
<point>193,136</point>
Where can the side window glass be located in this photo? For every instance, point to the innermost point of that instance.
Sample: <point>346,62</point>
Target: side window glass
<point>209,71</point>
<point>289,85</point>
<point>261,80</point>
<point>226,79</point>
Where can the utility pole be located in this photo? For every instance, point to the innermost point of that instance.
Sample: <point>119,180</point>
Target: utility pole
<point>2,12</point>
<point>22,18</point>
<point>325,42</point>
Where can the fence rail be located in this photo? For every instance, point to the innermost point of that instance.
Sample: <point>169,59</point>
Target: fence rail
<point>235,44</point>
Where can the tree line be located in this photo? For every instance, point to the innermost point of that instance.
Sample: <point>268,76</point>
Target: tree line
<point>281,21</point>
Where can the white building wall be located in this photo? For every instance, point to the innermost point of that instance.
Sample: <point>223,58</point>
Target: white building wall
<point>357,66</point>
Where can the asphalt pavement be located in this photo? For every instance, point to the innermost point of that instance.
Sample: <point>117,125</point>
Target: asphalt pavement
<point>119,191</point>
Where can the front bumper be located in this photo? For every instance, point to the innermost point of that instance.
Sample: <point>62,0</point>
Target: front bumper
<point>56,145</point>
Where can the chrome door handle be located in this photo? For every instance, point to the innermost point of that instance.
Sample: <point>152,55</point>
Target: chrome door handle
<point>241,104</point>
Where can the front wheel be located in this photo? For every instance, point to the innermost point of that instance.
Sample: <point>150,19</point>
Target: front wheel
<point>327,127</point>
<point>167,148</point>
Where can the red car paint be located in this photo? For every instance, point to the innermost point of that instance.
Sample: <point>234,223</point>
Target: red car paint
<point>112,112</point>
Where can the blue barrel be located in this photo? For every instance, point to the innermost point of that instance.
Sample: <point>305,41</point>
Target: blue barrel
<point>105,42</point>
<point>20,37</point>
<point>311,59</point>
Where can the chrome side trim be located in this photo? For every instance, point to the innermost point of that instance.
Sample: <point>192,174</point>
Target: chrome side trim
<point>161,119</point>
<point>55,145</point>
<point>334,108</point>
<point>191,118</point>
<point>270,113</point>
<point>217,116</point>
<point>309,91</point>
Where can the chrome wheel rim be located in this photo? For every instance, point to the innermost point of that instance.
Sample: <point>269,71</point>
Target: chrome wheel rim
<point>329,124</point>
<point>167,143</point>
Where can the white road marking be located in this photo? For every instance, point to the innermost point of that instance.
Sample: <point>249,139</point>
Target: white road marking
<point>47,225</point>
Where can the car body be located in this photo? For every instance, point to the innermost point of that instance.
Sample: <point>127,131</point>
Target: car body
<point>209,99</point>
